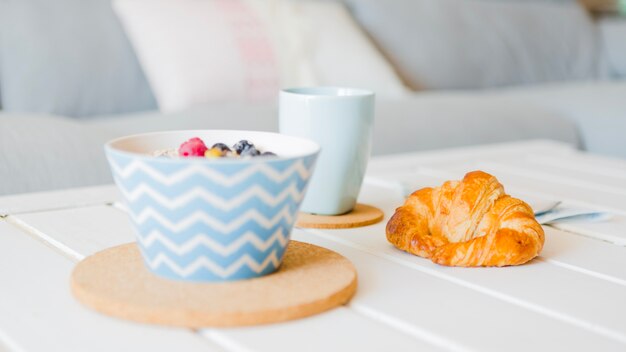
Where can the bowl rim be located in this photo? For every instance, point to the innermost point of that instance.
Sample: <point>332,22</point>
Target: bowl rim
<point>110,149</point>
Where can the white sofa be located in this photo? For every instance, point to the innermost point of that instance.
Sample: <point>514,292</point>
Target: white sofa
<point>99,84</point>
<point>41,152</point>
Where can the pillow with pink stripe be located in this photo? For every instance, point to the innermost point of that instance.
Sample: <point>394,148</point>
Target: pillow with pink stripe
<point>202,51</point>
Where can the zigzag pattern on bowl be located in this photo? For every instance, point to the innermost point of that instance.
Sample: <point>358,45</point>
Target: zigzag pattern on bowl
<point>205,221</point>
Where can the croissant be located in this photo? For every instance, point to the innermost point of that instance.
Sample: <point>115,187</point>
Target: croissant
<point>467,223</point>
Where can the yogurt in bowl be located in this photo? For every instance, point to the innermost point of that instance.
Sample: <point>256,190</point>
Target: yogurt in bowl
<point>212,219</point>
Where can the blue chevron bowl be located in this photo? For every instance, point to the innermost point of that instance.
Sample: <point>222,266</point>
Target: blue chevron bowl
<point>199,219</point>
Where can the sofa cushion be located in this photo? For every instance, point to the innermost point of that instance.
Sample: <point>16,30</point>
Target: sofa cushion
<point>451,44</point>
<point>47,152</point>
<point>613,30</point>
<point>446,120</point>
<point>598,110</point>
<point>68,57</point>
<point>420,122</point>
<point>42,152</point>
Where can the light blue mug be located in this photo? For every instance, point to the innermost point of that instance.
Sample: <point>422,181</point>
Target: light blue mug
<point>341,121</point>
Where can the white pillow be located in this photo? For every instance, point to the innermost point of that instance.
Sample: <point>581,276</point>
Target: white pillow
<point>199,51</point>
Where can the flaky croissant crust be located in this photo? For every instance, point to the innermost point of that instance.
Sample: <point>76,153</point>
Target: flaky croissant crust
<point>467,223</point>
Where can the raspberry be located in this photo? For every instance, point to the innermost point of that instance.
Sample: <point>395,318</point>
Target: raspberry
<point>193,147</point>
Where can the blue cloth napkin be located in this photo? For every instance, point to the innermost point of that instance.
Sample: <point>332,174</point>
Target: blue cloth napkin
<point>570,214</point>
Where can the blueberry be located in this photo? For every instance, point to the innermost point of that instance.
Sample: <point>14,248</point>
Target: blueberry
<point>242,145</point>
<point>268,154</point>
<point>221,146</point>
<point>251,151</point>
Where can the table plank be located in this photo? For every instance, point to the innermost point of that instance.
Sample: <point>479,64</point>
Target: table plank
<point>403,162</point>
<point>66,198</point>
<point>38,313</point>
<point>545,287</point>
<point>78,232</point>
<point>570,247</point>
<point>557,292</point>
<point>570,298</point>
<point>599,164</point>
<point>612,230</point>
<point>7,344</point>
<point>577,193</point>
<point>573,166</point>
<point>81,232</point>
<point>341,329</point>
<point>435,306</point>
<point>575,190</point>
<point>596,258</point>
<point>579,179</point>
<point>103,226</point>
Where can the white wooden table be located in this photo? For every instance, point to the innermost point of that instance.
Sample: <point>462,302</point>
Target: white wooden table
<point>572,298</point>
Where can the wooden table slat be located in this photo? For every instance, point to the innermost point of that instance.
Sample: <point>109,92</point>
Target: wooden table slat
<point>401,162</point>
<point>570,298</point>
<point>585,254</point>
<point>575,194</point>
<point>552,174</point>
<point>81,232</point>
<point>341,329</point>
<point>602,165</point>
<point>612,230</point>
<point>552,290</point>
<point>38,312</point>
<point>60,199</point>
<point>514,283</point>
<point>78,232</point>
<point>455,314</point>
<point>105,226</point>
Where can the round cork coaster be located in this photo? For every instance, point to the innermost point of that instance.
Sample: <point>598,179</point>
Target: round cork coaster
<point>310,280</point>
<point>361,215</point>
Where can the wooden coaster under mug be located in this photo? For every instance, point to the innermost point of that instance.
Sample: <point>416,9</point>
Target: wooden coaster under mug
<point>361,215</point>
<point>310,280</point>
